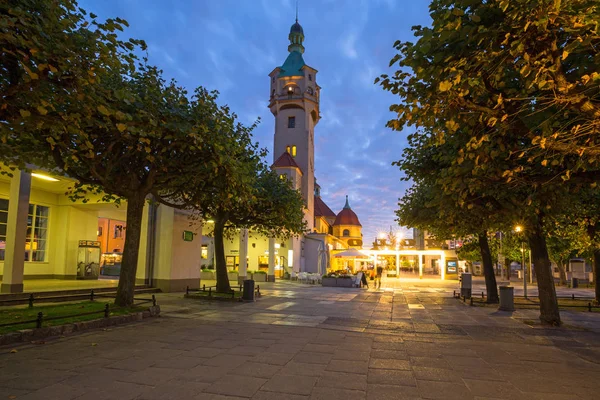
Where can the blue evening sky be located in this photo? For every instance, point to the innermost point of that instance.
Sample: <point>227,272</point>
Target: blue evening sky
<point>232,45</point>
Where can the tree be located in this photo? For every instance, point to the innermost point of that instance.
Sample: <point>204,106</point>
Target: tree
<point>474,83</point>
<point>53,59</point>
<point>249,196</point>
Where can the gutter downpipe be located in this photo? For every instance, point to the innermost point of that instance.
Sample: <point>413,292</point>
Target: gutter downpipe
<point>150,249</point>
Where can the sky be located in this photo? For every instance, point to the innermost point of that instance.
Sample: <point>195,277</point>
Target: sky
<point>232,46</point>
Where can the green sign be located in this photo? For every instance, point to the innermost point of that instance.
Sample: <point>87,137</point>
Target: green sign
<point>188,236</point>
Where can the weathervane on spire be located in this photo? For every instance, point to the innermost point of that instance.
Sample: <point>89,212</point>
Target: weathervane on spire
<point>296,10</point>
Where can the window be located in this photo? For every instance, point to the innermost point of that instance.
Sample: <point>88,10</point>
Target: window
<point>310,91</point>
<point>291,122</point>
<point>287,149</point>
<point>293,151</point>
<point>37,233</point>
<point>283,177</point>
<point>3,220</point>
<point>273,79</point>
<point>204,252</point>
<point>346,232</point>
<point>310,77</point>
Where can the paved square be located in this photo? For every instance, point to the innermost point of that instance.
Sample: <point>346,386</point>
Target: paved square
<point>302,341</point>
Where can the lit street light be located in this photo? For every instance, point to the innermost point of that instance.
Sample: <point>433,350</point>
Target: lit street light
<point>519,229</point>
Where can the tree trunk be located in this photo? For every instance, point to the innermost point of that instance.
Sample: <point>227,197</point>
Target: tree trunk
<point>549,313</point>
<point>562,273</point>
<point>135,214</point>
<point>488,268</point>
<point>222,279</point>
<point>597,273</point>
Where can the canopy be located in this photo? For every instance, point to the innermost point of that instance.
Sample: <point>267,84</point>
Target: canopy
<point>351,253</point>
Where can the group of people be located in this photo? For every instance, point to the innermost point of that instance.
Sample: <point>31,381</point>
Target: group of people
<point>377,276</point>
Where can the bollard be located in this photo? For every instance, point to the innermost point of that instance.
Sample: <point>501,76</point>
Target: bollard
<point>590,307</point>
<point>153,300</point>
<point>482,295</point>
<point>106,311</point>
<point>38,322</point>
<point>232,294</point>
<point>209,292</point>
<point>31,300</point>
<point>464,299</point>
<point>471,301</point>
<point>92,295</point>
<point>187,290</point>
<point>572,296</point>
<point>454,294</point>
<point>204,288</point>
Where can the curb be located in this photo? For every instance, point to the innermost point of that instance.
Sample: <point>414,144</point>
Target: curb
<point>28,335</point>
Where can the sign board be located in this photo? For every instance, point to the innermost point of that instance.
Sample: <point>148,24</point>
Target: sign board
<point>452,266</point>
<point>188,236</point>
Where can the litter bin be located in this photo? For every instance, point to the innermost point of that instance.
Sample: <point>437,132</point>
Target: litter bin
<point>466,284</point>
<point>507,298</point>
<point>248,294</point>
<point>574,283</point>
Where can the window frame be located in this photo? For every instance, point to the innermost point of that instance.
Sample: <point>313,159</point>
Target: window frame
<point>292,122</point>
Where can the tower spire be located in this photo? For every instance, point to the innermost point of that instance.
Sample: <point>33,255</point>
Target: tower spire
<point>296,10</point>
<point>347,203</point>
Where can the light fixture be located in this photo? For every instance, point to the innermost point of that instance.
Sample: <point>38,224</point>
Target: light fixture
<point>44,177</point>
<point>210,221</point>
<point>518,228</point>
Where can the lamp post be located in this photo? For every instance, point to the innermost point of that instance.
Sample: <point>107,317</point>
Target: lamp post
<point>519,229</point>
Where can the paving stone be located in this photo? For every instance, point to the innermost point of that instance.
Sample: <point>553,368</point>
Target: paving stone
<point>444,390</point>
<point>391,377</point>
<point>305,369</point>
<point>492,389</point>
<point>435,374</point>
<point>232,385</point>
<point>313,358</point>
<point>173,390</point>
<point>343,380</point>
<point>151,376</point>
<point>393,354</point>
<point>180,362</point>
<point>56,391</point>
<point>351,355</point>
<point>389,363</point>
<point>392,392</point>
<point>290,384</point>
<point>273,358</point>
<point>327,393</point>
<point>204,373</point>
<point>262,395</point>
<point>355,367</point>
<point>226,360</point>
<point>258,370</point>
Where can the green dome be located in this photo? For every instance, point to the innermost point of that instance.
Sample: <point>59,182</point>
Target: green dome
<point>293,65</point>
<point>296,28</point>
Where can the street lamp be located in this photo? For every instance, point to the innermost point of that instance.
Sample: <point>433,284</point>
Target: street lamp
<point>519,229</point>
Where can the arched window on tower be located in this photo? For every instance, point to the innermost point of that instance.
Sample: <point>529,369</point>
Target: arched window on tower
<point>293,151</point>
<point>287,149</point>
<point>346,232</point>
<point>310,77</point>
<point>310,91</point>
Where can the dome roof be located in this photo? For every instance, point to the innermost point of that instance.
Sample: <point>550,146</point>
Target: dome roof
<point>297,28</point>
<point>347,216</point>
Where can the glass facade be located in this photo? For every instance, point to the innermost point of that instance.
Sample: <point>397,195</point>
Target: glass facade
<point>36,242</point>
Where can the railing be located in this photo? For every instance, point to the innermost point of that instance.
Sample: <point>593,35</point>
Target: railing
<point>473,300</point>
<point>210,292</point>
<point>66,297</point>
<point>40,317</point>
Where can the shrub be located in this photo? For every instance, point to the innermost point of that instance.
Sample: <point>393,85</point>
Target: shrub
<point>259,272</point>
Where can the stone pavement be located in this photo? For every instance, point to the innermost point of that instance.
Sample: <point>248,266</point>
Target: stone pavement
<point>308,342</point>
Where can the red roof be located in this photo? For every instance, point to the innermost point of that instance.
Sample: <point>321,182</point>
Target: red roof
<point>347,217</point>
<point>322,209</point>
<point>285,160</point>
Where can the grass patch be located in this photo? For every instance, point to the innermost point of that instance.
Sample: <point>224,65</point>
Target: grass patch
<point>24,313</point>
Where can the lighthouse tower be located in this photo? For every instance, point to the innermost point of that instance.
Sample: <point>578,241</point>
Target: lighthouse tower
<point>294,101</point>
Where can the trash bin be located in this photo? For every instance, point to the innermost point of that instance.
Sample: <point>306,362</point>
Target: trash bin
<point>507,298</point>
<point>574,283</point>
<point>248,294</point>
<point>466,284</point>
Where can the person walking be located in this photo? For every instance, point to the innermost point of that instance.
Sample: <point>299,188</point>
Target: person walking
<point>378,277</point>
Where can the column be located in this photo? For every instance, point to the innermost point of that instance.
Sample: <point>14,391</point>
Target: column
<point>443,265</point>
<point>420,265</point>
<point>397,264</point>
<point>271,273</point>
<point>16,233</point>
<point>243,268</point>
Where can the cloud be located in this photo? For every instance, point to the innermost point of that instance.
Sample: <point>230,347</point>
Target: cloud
<point>348,45</point>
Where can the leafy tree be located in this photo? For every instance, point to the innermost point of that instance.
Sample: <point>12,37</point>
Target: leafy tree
<point>475,83</point>
<point>242,192</point>
<point>53,59</point>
